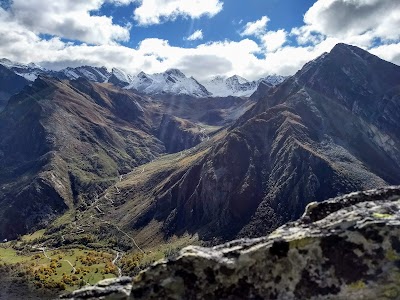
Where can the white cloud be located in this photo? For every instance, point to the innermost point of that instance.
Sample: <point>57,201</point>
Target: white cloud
<point>274,40</point>
<point>270,40</point>
<point>152,55</point>
<point>357,22</point>
<point>197,35</point>
<point>157,11</point>
<point>389,52</point>
<point>256,28</point>
<point>269,52</point>
<point>68,19</point>
<point>346,19</point>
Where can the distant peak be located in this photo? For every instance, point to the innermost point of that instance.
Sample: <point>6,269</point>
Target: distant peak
<point>116,70</point>
<point>142,75</point>
<point>238,79</point>
<point>35,66</point>
<point>175,72</point>
<point>5,60</point>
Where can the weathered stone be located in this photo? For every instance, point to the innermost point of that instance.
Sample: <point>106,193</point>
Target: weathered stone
<point>343,248</point>
<point>110,289</point>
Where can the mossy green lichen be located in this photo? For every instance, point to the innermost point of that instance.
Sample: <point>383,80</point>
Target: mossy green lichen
<point>358,285</point>
<point>382,216</point>
<point>391,255</point>
<point>391,293</point>
<point>301,243</point>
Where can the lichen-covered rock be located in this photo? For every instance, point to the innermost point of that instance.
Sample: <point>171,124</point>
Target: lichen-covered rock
<point>110,289</point>
<point>344,248</point>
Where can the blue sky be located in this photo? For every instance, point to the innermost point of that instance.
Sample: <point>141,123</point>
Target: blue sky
<point>203,38</point>
<point>225,25</point>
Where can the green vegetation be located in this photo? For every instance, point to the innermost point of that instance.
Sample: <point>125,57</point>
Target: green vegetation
<point>11,256</point>
<point>31,237</point>
<point>75,265</point>
<point>133,262</point>
<point>67,269</point>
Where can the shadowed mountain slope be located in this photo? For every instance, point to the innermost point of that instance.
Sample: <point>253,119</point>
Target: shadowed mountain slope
<point>330,129</point>
<point>10,84</point>
<point>64,142</point>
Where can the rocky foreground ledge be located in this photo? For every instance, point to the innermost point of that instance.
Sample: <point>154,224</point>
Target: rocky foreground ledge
<point>343,248</point>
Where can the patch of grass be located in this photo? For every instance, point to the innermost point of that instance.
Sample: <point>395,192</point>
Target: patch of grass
<point>64,219</point>
<point>11,256</point>
<point>134,261</point>
<point>88,267</point>
<point>31,237</point>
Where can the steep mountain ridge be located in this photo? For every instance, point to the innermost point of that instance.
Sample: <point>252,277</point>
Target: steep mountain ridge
<point>328,130</point>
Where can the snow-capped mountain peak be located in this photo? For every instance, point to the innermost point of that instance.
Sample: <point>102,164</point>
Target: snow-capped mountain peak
<point>175,72</point>
<point>142,75</point>
<point>172,81</point>
<point>236,79</point>
<point>94,74</point>
<point>232,86</point>
<point>30,71</point>
<point>238,86</point>
<point>273,79</point>
<point>120,78</point>
<point>121,75</point>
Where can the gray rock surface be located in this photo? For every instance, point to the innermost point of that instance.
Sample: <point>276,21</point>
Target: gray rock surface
<point>343,248</point>
<point>111,289</point>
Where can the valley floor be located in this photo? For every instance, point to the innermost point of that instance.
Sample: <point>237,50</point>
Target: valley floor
<point>32,271</point>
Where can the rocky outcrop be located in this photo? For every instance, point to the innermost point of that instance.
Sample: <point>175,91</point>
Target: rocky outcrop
<point>112,289</point>
<point>344,248</point>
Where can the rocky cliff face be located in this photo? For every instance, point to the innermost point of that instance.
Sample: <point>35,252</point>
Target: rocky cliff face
<point>344,248</point>
<point>178,134</point>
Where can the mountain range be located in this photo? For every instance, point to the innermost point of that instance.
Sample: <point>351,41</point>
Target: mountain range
<point>185,162</point>
<point>172,81</point>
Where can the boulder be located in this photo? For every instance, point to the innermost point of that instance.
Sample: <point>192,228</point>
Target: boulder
<point>344,248</point>
<point>110,289</point>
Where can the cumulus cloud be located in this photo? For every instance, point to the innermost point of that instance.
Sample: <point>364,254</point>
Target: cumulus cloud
<point>344,18</point>
<point>357,22</point>
<point>390,52</point>
<point>152,55</point>
<point>197,35</point>
<point>260,53</point>
<point>157,11</point>
<point>256,28</point>
<point>68,19</point>
<point>273,40</point>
